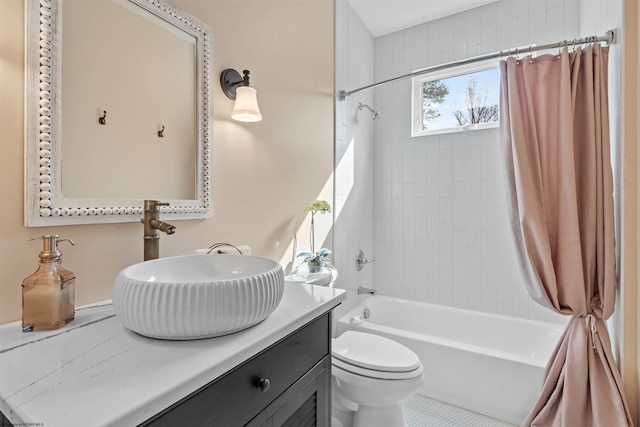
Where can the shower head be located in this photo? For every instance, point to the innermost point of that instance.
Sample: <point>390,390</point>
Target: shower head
<point>374,113</point>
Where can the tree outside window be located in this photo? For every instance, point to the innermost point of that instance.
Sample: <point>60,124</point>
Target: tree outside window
<point>479,108</point>
<point>457,100</point>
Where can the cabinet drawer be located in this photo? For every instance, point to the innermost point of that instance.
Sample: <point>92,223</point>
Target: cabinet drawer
<point>306,403</point>
<point>234,399</point>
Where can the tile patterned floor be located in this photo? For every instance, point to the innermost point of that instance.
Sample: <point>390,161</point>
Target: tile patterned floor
<point>420,411</point>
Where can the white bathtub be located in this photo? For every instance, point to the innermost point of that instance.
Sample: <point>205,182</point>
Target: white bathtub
<point>485,363</point>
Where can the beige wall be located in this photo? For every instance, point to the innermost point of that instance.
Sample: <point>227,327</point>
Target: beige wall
<point>265,173</point>
<point>635,185</point>
<point>630,241</point>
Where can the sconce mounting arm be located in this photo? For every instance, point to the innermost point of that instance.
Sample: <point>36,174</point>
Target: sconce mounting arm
<point>230,79</point>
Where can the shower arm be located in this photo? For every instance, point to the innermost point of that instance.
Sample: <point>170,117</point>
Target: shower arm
<point>373,112</point>
<point>361,106</point>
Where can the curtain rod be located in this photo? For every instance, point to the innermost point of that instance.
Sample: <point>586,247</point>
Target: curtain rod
<point>609,37</point>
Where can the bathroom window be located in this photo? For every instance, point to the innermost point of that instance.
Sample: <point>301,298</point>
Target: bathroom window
<point>457,99</point>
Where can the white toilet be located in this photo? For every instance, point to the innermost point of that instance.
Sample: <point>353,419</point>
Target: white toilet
<point>371,376</point>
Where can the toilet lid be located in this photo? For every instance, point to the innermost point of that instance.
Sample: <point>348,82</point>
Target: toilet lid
<point>374,352</point>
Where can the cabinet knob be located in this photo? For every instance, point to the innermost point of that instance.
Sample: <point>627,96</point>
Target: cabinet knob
<point>263,384</point>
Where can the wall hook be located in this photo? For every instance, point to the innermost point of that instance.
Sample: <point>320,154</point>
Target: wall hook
<point>161,132</point>
<point>103,120</point>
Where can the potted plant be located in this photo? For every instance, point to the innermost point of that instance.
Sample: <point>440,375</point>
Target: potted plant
<point>316,260</point>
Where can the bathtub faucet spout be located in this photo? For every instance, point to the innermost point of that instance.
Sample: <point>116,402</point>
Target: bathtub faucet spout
<point>369,291</point>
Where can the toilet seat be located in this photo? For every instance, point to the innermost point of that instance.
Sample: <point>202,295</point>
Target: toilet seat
<point>374,356</point>
<point>375,375</point>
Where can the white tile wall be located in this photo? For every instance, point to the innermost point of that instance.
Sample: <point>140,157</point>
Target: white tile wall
<point>440,228</point>
<point>353,202</point>
<point>431,210</point>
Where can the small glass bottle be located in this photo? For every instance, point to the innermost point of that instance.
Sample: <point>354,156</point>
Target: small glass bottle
<point>48,295</point>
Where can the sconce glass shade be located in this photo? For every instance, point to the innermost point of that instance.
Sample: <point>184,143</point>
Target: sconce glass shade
<point>246,106</point>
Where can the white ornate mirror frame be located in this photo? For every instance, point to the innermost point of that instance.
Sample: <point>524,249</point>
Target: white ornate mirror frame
<point>45,204</point>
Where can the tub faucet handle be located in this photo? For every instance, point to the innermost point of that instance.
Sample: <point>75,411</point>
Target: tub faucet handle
<point>361,260</point>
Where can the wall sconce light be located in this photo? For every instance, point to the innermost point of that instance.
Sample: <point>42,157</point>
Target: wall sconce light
<point>237,87</point>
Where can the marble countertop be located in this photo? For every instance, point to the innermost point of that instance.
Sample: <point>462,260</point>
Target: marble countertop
<point>94,372</point>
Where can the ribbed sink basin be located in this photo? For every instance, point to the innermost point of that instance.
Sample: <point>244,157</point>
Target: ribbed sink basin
<point>197,296</point>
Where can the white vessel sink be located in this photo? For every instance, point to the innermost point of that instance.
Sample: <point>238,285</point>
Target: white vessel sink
<point>197,296</point>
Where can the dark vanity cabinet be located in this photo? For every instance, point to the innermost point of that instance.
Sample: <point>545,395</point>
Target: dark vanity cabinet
<point>288,384</point>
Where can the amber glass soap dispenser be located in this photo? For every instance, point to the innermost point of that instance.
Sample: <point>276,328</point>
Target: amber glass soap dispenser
<point>48,295</point>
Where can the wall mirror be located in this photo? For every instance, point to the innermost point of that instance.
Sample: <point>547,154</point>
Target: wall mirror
<point>117,111</point>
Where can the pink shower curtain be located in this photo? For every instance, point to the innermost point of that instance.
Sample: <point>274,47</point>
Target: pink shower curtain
<point>555,142</point>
